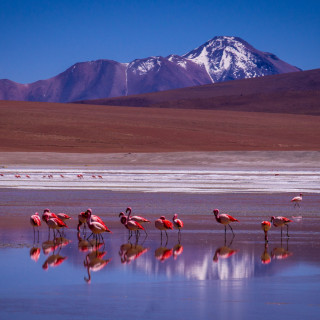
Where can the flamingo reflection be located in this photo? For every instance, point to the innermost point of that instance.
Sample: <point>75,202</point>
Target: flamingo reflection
<point>85,245</point>
<point>53,261</point>
<point>35,253</point>
<point>94,262</point>
<point>163,253</point>
<point>130,252</point>
<point>281,253</point>
<point>265,257</point>
<point>224,252</point>
<point>177,250</point>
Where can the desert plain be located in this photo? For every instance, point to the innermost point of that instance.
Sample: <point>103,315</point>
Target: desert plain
<point>161,161</point>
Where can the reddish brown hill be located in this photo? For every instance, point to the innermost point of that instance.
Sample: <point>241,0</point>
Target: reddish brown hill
<point>53,127</point>
<point>296,93</point>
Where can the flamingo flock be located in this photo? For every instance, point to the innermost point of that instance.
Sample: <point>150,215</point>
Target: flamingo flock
<point>134,223</point>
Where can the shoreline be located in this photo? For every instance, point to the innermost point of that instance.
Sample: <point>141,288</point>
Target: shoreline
<point>219,160</point>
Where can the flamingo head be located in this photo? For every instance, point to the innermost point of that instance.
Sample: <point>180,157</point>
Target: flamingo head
<point>36,213</point>
<point>88,213</point>
<point>121,214</point>
<point>46,210</point>
<point>272,218</point>
<point>175,216</point>
<point>123,220</point>
<point>216,212</point>
<point>128,209</point>
<point>163,218</point>
<point>45,217</point>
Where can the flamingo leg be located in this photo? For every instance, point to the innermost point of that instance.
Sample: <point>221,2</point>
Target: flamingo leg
<point>281,233</point>
<point>266,236</point>
<point>231,228</point>
<point>288,231</point>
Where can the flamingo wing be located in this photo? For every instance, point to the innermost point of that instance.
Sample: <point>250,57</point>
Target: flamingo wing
<point>231,218</point>
<point>168,224</point>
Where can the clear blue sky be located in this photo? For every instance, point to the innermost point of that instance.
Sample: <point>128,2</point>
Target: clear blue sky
<point>41,38</point>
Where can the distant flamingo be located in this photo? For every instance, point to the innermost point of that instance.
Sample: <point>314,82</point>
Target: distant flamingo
<point>163,224</point>
<point>36,223</point>
<point>280,222</point>
<point>297,200</point>
<point>265,226</point>
<point>224,219</point>
<point>131,225</point>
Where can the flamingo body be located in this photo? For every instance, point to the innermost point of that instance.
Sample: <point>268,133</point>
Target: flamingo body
<point>136,218</point>
<point>224,219</point>
<point>280,222</point>
<point>35,220</point>
<point>297,200</point>
<point>177,223</point>
<point>265,226</point>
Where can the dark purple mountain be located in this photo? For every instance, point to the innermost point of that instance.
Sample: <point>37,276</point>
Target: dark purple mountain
<point>220,59</point>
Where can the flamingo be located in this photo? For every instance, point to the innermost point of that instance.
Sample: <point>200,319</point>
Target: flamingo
<point>63,216</point>
<point>177,223</point>
<point>163,224</point>
<point>96,227</point>
<point>265,226</point>
<point>131,225</point>
<point>297,200</point>
<point>36,223</point>
<point>224,219</point>
<point>82,218</point>
<point>136,218</point>
<point>280,222</point>
<point>46,215</point>
<point>55,224</point>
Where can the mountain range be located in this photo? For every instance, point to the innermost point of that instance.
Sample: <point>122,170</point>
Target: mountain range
<point>219,59</point>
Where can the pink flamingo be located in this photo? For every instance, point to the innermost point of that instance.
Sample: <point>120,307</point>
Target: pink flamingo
<point>55,224</point>
<point>280,222</point>
<point>135,218</point>
<point>96,227</point>
<point>82,218</point>
<point>163,224</point>
<point>265,226</point>
<point>63,216</point>
<point>297,200</point>
<point>36,223</point>
<point>177,223</point>
<point>131,225</point>
<point>224,219</point>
